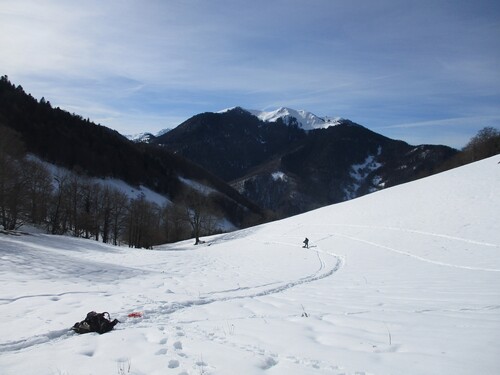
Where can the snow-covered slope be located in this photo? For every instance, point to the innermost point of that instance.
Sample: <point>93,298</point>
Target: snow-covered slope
<point>402,281</point>
<point>132,192</point>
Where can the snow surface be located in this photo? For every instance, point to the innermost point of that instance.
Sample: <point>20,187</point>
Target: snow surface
<point>402,281</point>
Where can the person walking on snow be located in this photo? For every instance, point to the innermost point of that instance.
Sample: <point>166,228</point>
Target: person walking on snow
<point>306,243</point>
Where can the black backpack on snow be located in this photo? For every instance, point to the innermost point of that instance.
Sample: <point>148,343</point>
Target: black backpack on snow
<point>95,322</point>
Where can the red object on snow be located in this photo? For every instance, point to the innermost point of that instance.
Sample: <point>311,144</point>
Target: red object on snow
<point>135,315</point>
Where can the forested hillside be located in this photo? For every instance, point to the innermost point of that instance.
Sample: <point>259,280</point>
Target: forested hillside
<point>88,150</point>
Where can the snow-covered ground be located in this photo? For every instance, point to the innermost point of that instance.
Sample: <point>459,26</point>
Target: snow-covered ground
<point>402,281</point>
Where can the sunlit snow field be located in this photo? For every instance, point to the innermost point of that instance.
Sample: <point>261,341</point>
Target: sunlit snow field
<point>403,281</point>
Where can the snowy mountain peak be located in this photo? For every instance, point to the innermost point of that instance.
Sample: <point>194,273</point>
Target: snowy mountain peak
<point>140,137</point>
<point>145,137</point>
<point>306,120</point>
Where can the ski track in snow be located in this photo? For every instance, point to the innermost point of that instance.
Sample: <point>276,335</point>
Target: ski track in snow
<point>455,238</point>
<point>4,301</point>
<point>402,252</point>
<point>35,340</point>
<point>371,243</point>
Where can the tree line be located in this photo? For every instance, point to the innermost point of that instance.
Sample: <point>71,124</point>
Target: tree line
<point>484,144</point>
<point>72,203</point>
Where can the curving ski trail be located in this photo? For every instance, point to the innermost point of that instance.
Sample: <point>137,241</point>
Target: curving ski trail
<point>323,272</point>
<point>421,232</point>
<point>371,243</point>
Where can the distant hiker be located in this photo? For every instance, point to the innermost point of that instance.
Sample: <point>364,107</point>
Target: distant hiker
<point>95,322</point>
<point>306,243</point>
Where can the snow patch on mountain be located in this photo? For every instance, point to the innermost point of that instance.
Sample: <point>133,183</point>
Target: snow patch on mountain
<point>360,172</point>
<point>201,188</point>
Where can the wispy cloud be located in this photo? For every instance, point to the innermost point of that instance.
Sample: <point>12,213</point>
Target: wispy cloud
<point>136,65</point>
<point>461,121</point>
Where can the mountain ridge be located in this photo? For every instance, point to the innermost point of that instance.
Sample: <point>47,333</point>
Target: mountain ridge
<point>304,119</point>
<point>322,166</point>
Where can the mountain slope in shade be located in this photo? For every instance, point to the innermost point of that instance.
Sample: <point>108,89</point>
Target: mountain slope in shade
<point>229,144</point>
<point>317,167</point>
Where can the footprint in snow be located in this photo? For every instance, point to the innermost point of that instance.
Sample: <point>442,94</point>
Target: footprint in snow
<point>318,365</point>
<point>268,363</point>
<point>178,349</point>
<point>88,353</point>
<point>178,345</point>
<point>173,363</point>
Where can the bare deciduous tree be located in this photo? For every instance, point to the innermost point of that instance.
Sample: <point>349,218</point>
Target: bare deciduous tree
<point>39,190</point>
<point>118,208</point>
<point>143,223</point>
<point>484,144</point>
<point>200,214</point>
<point>12,180</point>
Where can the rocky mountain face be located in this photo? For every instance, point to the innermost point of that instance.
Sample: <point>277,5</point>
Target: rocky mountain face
<point>288,170</point>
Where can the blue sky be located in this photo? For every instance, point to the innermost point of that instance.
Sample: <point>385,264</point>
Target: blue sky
<point>421,71</point>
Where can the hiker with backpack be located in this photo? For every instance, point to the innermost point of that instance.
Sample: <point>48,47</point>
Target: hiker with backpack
<point>306,243</point>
